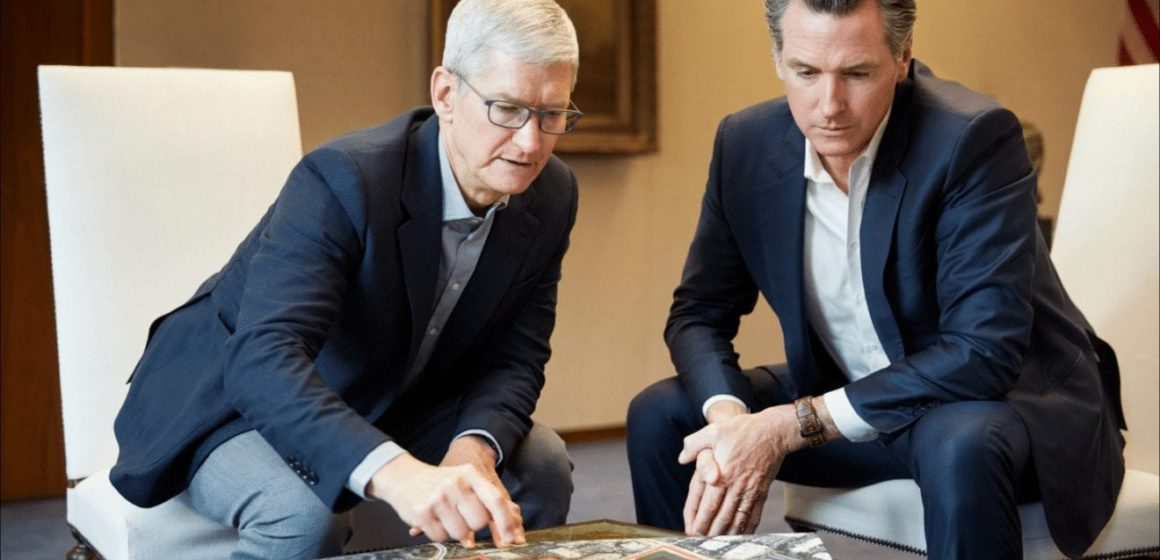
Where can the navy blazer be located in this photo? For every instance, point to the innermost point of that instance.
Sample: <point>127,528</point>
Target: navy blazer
<point>960,288</point>
<point>308,332</point>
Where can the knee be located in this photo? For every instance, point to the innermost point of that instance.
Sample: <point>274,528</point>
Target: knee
<point>965,441</point>
<point>660,411</point>
<point>287,514</point>
<point>539,477</point>
<point>544,459</point>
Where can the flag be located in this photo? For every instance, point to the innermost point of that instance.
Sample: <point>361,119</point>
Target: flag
<point>1140,37</point>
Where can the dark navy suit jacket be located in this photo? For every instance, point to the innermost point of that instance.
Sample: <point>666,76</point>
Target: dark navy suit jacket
<point>308,332</point>
<point>961,292</point>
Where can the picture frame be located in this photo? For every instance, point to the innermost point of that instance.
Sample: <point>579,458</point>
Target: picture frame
<point>616,88</point>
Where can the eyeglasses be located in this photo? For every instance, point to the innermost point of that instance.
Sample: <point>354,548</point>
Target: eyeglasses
<point>513,115</point>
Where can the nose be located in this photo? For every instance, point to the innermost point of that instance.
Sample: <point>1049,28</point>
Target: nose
<point>833,100</point>
<point>529,136</point>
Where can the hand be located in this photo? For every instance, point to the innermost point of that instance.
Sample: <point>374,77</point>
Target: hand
<point>476,451</point>
<point>716,509</point>
<point>744,443</point>
<point>737,456</point>
<point>448,501</point>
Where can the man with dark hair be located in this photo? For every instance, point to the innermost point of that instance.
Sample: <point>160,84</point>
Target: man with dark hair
<point>382,332</point>
<point>889,219</point>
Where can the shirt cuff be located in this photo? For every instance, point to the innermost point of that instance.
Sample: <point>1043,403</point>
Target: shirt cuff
<point>717,398</point>
<point>360,477</point>
<point>490,440</point>
<point>852,426</point>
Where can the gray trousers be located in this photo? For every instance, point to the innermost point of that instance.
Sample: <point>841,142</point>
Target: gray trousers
<point>245,484</point>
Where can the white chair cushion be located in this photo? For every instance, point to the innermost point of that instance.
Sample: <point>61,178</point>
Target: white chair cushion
<point>890,513</point>
<point>887,513</point>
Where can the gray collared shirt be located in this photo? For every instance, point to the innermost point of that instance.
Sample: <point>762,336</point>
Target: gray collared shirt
<point>464,236</point>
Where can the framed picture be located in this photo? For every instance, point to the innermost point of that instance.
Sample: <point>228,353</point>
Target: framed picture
<point>616,88</point>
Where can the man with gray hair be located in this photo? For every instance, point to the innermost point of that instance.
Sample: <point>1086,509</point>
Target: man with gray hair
<point>888,217</point>
<point>383,330</point>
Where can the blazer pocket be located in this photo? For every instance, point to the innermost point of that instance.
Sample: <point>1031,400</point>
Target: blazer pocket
<point>158,321</point>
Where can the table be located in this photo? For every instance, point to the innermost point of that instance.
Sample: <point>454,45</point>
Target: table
<point>606,539</point>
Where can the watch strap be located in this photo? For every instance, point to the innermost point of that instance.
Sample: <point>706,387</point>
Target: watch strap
<point>809,423</point>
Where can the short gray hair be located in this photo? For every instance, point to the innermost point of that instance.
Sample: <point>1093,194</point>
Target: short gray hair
<point>898,15</point>
<point>537,32</point>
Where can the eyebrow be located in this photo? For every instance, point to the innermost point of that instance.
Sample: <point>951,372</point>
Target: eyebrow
<point>565,107</point>
<point>860,66</point>
<point>504,98</point>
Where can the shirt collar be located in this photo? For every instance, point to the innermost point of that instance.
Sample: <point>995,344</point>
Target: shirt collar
<point>813,169</point>
<point>454,206</point>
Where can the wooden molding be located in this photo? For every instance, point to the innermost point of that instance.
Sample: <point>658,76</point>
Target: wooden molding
<point>593,434</point>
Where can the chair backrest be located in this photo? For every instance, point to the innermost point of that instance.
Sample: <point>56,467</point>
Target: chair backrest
<point>1106,244</point>
<point>153,177</point>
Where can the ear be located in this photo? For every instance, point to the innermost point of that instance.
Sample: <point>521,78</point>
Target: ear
<point>443,84</point>
<point>904,61</point>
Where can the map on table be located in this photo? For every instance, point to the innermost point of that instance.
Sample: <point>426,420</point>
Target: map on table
<point>795,546</point>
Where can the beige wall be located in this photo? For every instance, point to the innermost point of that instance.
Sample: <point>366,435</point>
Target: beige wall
<point>357,62</point>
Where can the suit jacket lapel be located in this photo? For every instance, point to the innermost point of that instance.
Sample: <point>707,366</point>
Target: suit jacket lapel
<point>783,204</point>
<point>879,217</point>
<point>419,235</point>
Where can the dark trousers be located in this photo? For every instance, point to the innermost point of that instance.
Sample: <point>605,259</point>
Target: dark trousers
<point>971,461</point>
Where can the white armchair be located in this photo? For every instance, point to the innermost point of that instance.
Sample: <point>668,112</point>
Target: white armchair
<point>153,176</point>
<point>1106,251</point>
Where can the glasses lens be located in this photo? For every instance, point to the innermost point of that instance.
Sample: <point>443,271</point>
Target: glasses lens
<point>553,122</point>
<point>558,122</point>
<point>507,115</point>
<point>570,120</point>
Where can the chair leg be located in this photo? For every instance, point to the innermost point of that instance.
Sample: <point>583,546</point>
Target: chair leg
<point>82,550</point>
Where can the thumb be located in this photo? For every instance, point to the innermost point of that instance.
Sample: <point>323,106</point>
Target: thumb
<point>694,443</point>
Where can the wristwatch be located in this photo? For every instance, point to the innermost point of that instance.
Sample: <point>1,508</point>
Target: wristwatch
<point>811,427</point>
